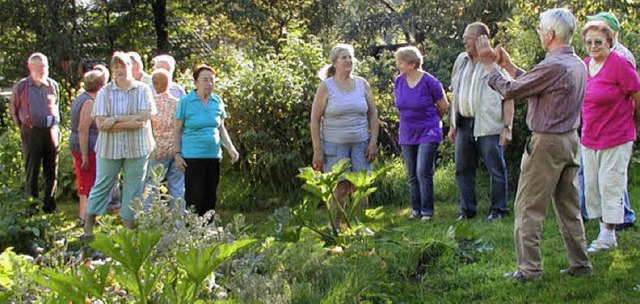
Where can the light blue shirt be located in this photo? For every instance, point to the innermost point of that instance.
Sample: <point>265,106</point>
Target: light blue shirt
<point>200,123</point>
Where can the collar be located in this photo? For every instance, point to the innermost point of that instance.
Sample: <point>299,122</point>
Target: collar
<point>44,81</point>
<point>560,50</point>
<point>112,86</point>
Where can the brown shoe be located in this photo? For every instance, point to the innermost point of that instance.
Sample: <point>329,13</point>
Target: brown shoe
<point>576,273</point>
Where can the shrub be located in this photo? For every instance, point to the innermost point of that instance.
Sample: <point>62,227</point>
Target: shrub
<point>269,101</point>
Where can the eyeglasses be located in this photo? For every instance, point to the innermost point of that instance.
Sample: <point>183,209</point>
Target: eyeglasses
<point>596,43</point>
<point>206,80</point>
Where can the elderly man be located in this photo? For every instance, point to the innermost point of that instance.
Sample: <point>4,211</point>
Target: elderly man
<point>138,68</point>
<point>555,89</point>
<point>168,63</point>
<point>34,108</point>
<point>612,22</point>
<point>480,126</point>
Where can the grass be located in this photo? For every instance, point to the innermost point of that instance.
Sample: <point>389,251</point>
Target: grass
<point>386,269</point>
<point>448,279</point>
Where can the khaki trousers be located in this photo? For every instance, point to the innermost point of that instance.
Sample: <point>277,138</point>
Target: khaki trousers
<point>548,171</point>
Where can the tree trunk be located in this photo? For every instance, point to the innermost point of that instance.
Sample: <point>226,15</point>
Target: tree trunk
<point>160,22</point>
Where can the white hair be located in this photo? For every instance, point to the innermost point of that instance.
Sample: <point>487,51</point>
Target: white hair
<point>560,21</point>
<point>37,57</point>
<point>168,59</point>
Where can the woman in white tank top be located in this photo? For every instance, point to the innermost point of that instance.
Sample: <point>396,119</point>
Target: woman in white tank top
<point>344,119</point>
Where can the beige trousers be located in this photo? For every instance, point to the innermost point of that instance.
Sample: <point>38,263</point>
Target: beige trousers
<point>548,175</point>
<point>605,182</point>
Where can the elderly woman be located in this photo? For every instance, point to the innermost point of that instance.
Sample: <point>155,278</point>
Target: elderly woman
<point>168,63</point>
<point>199,133</point>
<point>344,119</point>
<point>121,111</point>
<point>421,103</point>
<point>612,101</point>
<point>163,125</point>
<point>84,134</point>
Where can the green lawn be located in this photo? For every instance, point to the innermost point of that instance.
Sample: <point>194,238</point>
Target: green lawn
<point>450,279</point>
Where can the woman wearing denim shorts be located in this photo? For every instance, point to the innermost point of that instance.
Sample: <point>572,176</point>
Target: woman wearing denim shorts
<point>344,119</point>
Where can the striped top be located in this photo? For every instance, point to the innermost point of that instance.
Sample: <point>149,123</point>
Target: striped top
<point>112,101</point>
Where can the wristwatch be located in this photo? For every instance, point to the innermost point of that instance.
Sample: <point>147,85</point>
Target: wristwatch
<point>508,127</point>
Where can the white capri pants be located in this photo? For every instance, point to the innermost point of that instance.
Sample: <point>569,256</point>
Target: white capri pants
<point>605,180</point>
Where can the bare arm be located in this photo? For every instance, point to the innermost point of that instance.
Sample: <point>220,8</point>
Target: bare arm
<point>442,105</point>
<point>227,143</point>
<point>317,111</point>
<point>374,124</point>
<point>177,157</point>
<point>83,132</point>
<point>507,120</point>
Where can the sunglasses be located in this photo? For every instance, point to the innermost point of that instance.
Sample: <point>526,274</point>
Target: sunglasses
<point>596,42</point>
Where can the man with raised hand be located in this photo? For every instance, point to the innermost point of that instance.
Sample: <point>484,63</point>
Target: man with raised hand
<point>555,89</point>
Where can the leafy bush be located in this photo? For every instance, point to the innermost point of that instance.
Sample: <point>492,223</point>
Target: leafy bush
<point>269,101</point>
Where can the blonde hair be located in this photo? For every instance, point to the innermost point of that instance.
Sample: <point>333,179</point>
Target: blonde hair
<point>94,80</point>
<point>411,55</point>
<point>329,70</point>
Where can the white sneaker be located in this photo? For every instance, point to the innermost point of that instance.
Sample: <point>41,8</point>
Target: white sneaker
<point>599,245</point>
<point>425,218</point>
<point>367,231</point>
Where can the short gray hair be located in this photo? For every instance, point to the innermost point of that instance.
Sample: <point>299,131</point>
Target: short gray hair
<point>168,59</point>
<point>560,21</point>
<point>37,57</point>
<point>411,55</point>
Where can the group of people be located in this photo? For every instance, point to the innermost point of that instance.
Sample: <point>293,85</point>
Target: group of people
<point>120,126</point>
<point>582,115</point>
<point>577,110</point>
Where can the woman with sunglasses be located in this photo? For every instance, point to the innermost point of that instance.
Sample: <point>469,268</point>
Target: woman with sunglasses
<point>610,113</point>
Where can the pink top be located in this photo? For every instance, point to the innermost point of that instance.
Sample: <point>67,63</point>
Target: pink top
<point>607,112</point>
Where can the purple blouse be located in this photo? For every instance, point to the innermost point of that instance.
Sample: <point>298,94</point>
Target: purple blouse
<point>419,119</point>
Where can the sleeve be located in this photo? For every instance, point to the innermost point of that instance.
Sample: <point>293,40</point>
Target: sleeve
<point>627,76</point>
<point>100,105</point>
<point>148,102</point>
<point>395,87</point>
<point>223,108</point>
<point>14,104</point>
<point>181,108</point>
<point>436,88</point>
<point>526,84</point>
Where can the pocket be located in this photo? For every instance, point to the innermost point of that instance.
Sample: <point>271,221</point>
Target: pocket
<point>329,148</point>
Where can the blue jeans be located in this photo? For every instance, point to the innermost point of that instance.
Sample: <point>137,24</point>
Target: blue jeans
<point>629,214</point>
<point>175,181</point>
<point>467,150</point>
<point>420,160</point>
<point>107,170</point>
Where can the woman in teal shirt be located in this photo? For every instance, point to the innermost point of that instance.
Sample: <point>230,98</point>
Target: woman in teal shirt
<point>199,132</point>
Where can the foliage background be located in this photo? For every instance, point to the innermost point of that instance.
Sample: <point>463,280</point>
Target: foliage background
<point>267,53</point>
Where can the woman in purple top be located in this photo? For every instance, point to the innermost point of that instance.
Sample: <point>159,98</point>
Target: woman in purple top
<point>421,102</point>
